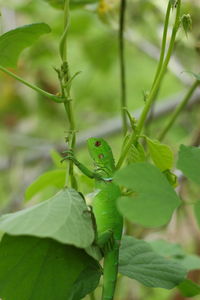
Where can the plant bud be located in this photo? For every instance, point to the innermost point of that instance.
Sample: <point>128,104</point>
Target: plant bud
<point>186,22</point>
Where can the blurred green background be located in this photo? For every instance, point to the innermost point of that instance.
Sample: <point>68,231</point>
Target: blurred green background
<point>31,126</point>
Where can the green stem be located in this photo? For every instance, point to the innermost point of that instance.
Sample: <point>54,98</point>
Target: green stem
<point>33,87</point>
<point>92,296</point>
<point>178,110</point>
<point>63,41</point>
<point>164,41</point>
<point>66,95</point>
<point>162,72</point>
<point>154,90</point>
<point>122,65</point>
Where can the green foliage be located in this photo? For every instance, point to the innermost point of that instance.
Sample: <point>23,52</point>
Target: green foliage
<point>186,22</point>
<point>38,269</point>
<point>60,3</point>
<point>87,281</point>
<point>14,41</point>
<point>153,200</point>
<point>52,178</point>
<point>188,261</point>
<point>161,154</point>
<point>188,162</point>
<point>166,248</point>
<point>56,158</point>
<point>189,288</point>
<point>137,260</point>
<point>64,217</point>
<point>136,154</point>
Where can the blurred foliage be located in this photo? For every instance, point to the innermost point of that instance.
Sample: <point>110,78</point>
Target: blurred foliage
<point>31,126</point>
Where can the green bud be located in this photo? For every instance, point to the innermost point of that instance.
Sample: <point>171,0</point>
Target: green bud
<point>186,22</point>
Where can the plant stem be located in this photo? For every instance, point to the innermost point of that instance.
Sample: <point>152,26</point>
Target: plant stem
<point>33,87</point>
<point>122,65</point>
<point>92,296</point>
<point>154,90</point>
<point>178,110</point>
<point>162,72</point>
<point>66,94</point>
<point>164,40</point>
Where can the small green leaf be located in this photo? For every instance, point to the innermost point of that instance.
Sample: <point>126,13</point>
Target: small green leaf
<point>153,200</point>
<point>186,22</point>
<point>64,217</point>
<point>136,154</point>
<point>195,75</point>
<point>137,260</point>
<point>44,268</point>
<point>171,177</point>
<point>56,158</point>
<point>161,154</point>
<point>14,41</point>
<point>189,288</point>
<point>189,162</point>
<point>52,178</point>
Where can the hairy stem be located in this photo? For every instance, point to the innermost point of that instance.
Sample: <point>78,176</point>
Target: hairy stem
<point>154,90</point>
<point>71,139</point>
<point>122,65</point>
<point>178,110</point>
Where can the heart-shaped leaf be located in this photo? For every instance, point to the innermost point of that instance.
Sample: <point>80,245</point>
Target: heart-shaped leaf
<point>189,162</point>
<point>161,154</point>
<point>153,199</point>
<point>38,269</point>
<point>64,217</point>
<point>14,41</point>
<point>52,178</point>
<point>137,260</point>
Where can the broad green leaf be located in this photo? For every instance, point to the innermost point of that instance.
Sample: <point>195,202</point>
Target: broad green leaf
<point>188,261</point>
<point>166,248</point>
<point>87,282</point>
<point>52,178</point>
<point>153,200</point>
<point>40,269</point>
<point>189,162</point>
<point>14,41</point>
<point>197,212</point>
<point>161,154</point>
<point>64,217</point>
<point>137,260</point>
<point>189,288</point>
